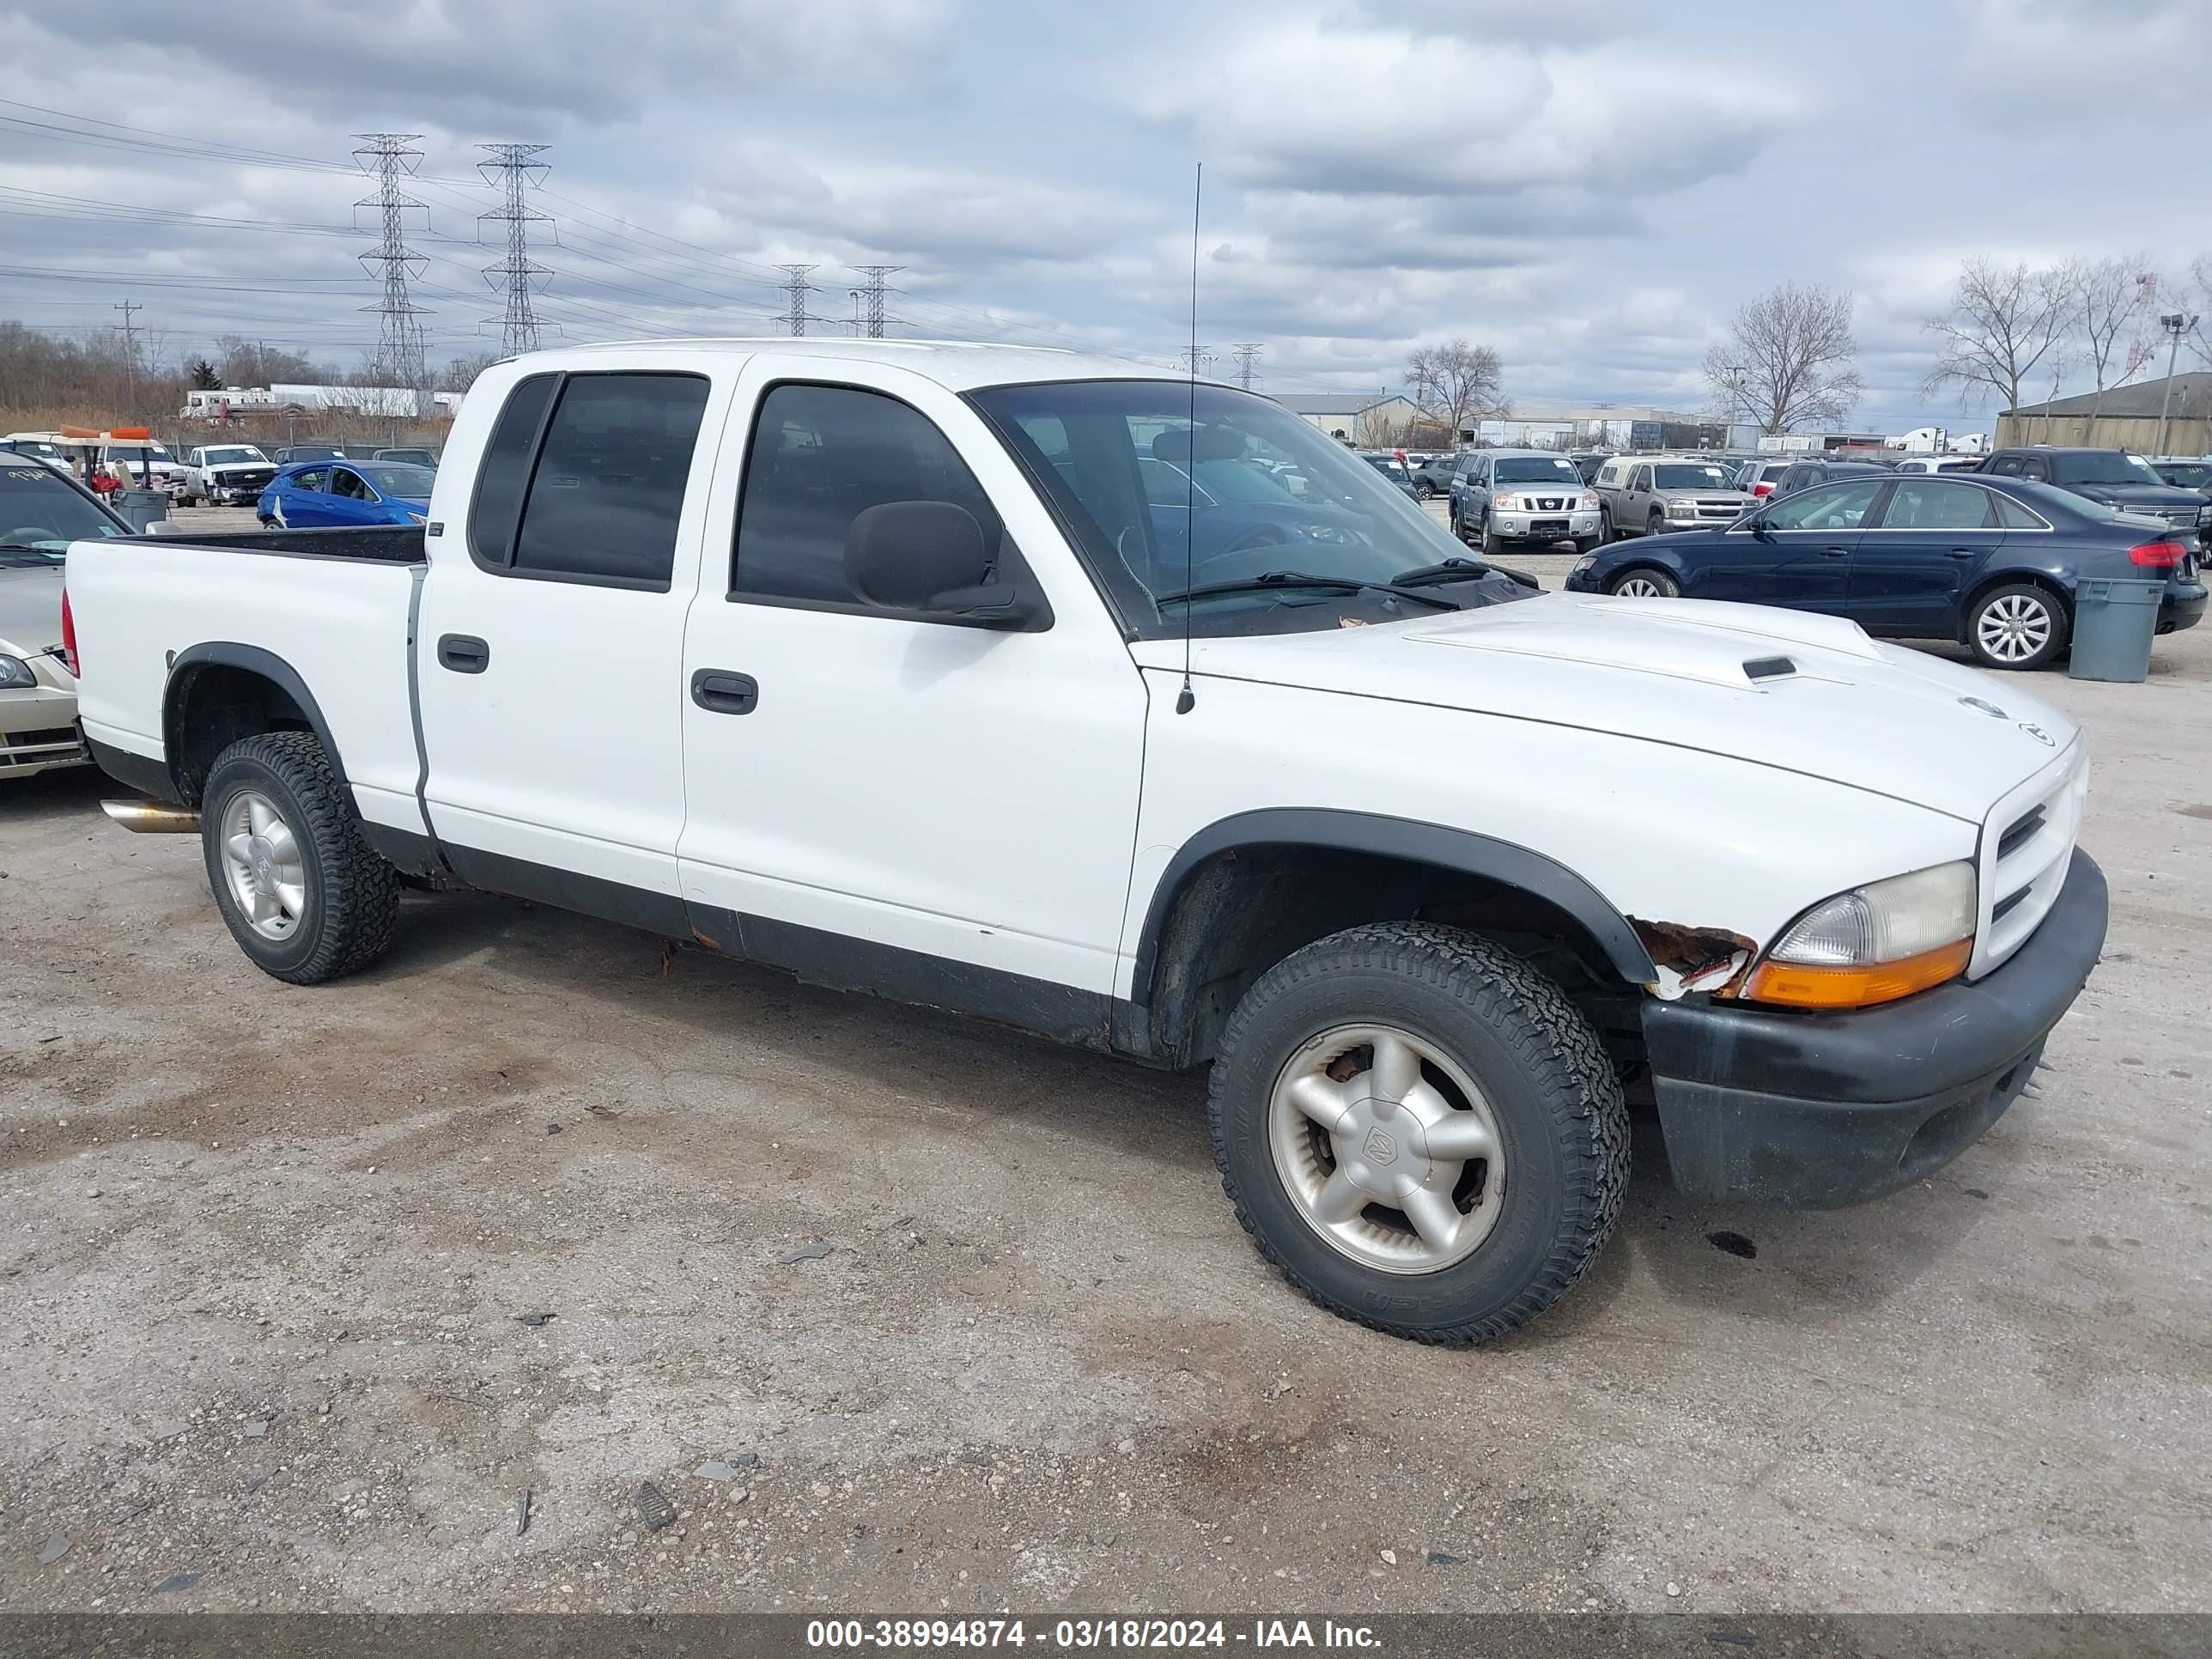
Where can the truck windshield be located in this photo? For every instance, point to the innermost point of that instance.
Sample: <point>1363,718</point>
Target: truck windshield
<point>228,457</point>
<point>2105,467</point>
<point>1275,495</point>
<point>42,514</point>
<point>1689,478</point>
<point>1538,469</point>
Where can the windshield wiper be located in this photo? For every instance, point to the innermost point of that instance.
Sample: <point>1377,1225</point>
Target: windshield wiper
<point>1299,579</point>
<point>1449,570</point>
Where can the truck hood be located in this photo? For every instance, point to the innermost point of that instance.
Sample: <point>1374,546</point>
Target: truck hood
<point>1848,708</point>
<point>30,608</point>
<point>2159,498</point>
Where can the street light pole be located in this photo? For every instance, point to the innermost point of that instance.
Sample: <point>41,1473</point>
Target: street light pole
<point>2175,325</point>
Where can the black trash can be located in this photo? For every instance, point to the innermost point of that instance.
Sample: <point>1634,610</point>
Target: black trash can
<point>2114,622</point>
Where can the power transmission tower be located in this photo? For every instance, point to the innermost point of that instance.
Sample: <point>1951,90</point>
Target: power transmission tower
<point>522,170</point>
<point>1196,359</point>
<point>389,157</point>
<point>873,292</point>
<point>129,308</point>
<point>797,287</point>
<point>1247,353</point>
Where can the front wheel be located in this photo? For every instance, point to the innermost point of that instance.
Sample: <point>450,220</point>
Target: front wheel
<point>302,890</point>
<point>1424,489</point>
<point>1644,583</point>
<point>1491,546</point>
<point>1585,545</point>
<point>1656,524</point>
<point>2017,626</point>
<point>1420,1130</point>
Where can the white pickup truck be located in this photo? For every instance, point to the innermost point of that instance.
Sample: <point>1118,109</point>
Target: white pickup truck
<point>1136,713</point>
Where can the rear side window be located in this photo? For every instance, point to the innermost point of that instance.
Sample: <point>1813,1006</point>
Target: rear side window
<point>504,473</point>
<point>821,456</point>
<point>608,486</point>
<point>1920,503</point>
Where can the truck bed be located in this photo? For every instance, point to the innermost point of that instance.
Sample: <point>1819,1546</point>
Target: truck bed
<point>383,543</point>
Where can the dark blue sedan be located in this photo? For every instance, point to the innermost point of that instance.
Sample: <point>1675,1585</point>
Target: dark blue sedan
<point>326,494</point>
<point>1990,562</point>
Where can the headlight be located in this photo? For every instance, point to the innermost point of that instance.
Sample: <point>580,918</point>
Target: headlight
<point>1587,504</point>
<point>1583,564</point>
<point>1682,509</point>
<point>15,674</point>
<point>1874,943</point>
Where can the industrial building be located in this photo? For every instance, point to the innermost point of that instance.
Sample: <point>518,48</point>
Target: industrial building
<point>2121,417</point>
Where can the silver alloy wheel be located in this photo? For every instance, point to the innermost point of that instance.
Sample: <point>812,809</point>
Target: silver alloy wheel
<point>2014,626</point>
<point>1387,1148</point>
<point>1639,588</point>
<point>261,857</point>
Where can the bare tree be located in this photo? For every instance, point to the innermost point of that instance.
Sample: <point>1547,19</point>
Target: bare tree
<point>2003,320</point>
<point>460,374</point>
<point>1456,381</point>
<point>2107,303</point>
<point>1790,359</point>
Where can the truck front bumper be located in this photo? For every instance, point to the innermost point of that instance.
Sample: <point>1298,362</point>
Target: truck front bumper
<point>1516,526</point>
<point>1820,1110</point>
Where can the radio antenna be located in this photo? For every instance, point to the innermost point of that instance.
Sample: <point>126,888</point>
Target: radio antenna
<point>1185,698</point>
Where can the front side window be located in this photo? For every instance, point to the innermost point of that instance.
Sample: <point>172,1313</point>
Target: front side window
<point>1643,478</point>
<point>822,455</point>
<point>1278,502</point>
<point>1828,507</point>
<point>2006,466</point>
<point>2037,468</point>
<point>1927,504</point>
<point>345,482</point>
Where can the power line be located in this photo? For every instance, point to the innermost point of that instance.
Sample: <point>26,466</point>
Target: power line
<point>873,295</point>
<point>523,170</point>
<point>399,335</point>
<point>1247,353</point>
<point>797,287</point>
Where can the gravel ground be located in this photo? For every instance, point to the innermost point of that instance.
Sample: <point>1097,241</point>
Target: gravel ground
<point>905,1313</point>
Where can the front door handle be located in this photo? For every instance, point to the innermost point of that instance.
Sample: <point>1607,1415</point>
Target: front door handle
<point>463,653</point>
<point>1837,552</point>
<point>722,692</point>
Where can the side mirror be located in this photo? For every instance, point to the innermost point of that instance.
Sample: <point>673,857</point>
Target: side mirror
<point>930,556</point>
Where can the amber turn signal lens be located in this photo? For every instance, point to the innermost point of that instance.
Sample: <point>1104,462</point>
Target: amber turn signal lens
<point>1796,985</point>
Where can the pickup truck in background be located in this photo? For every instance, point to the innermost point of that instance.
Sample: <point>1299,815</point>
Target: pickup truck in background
<point>225,474</point>
<point>873,660</point>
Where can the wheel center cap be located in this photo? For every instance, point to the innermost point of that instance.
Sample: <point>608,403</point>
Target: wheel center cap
<point>263,864</point>
<point>1382,1148</point>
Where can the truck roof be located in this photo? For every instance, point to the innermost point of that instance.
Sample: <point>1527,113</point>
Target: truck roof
<point>956,365</point>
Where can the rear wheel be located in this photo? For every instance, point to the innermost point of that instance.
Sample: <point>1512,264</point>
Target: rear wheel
<point>2016,626</point>
<point>302,890</point>
<point>1644,583</point>
<point>1420,1130</point>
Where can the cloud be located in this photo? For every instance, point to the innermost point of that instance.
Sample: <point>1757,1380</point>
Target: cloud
<point>2035,59</point>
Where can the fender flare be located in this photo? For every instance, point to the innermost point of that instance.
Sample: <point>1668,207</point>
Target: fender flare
<point>1502,861</point>
<point>253,659</point>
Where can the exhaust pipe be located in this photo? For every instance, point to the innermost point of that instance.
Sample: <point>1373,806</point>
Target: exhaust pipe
<point>153,817</point>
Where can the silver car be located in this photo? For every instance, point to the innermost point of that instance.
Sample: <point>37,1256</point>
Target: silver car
<point>1650,494</point>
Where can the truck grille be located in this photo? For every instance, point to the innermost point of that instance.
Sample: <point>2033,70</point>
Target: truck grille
<point>1722,510</point>
<point>2027,845</point>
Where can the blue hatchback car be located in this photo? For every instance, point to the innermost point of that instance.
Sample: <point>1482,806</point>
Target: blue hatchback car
<point>1990,562</point>
<point>329,494</point>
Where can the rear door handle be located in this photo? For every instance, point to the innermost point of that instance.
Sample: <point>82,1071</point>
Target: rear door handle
<point>1962,552</point>
<point>463,653</point>
<point>722,692</point>
<point>1837,552</point>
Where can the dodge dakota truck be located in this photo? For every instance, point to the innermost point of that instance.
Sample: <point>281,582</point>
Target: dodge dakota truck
<point>890,664</point>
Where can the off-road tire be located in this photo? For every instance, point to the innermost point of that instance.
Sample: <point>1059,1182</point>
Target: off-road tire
<point>1555,1095</point>
<point>2061,628</point>
<point>353,893</point>
<point>1491,546</point>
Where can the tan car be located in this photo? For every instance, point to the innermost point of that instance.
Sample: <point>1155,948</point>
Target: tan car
<point>1650,494</point>
<point>41,512</point>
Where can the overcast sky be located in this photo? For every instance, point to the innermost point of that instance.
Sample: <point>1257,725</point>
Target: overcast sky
<point>1591,187</point>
